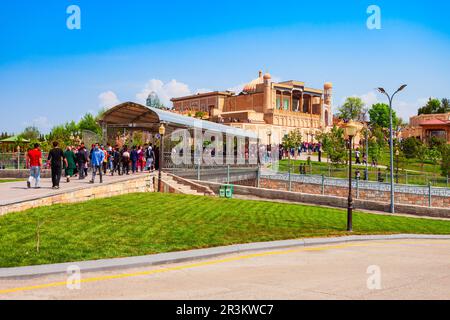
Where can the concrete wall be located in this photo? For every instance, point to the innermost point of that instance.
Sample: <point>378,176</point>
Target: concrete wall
<point>332,201</point>
<point>140,184</point>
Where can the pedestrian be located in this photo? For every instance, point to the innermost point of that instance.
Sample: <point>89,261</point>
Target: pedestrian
<point>109,149</point>
<point>358,156</point>
<point>70,163</point>
<point>134,157</point>
<point>141,160</point>
<point>125,161</point>
<point>150,158</point>
<point>56,159</point>
<point>97,158</point>
<point>34,159</point>
<point>82,159</point>
<point>116,160</point>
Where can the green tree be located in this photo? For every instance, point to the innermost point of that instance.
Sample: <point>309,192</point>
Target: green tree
<point>351,109</point>
<point>30,133</point>
<point>199,114</point>
<point>333,143</point>
<point>422,154</point>
<point>433,106</point>
<point>445,105</point>
<point>379,115</point>
<point>445,164</point>
<point>410,147</point>
<point>89,122</point>
<point>292,140</point>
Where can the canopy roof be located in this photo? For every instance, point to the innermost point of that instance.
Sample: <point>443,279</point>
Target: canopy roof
<point>131,114</point>
<point>14,139</point>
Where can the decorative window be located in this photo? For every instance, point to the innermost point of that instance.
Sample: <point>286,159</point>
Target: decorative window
<point>278,103</point>
<point>286,104</point>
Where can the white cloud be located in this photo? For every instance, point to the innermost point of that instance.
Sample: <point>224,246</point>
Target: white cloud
<point>370,99</point>
<point>165,91</point>
<point>41,122</point>
<point>108,99</point>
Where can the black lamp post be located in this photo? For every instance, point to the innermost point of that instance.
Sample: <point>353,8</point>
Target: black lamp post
<point>350,132</point>
<point>162,131</point>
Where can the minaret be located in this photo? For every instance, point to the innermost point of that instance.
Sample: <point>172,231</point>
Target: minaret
<point>328,101</point>
<point>267,103</point>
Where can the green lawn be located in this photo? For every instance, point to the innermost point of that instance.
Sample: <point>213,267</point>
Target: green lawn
<point>10,180</point>
<point>141,224</point>
<point>414,177</point>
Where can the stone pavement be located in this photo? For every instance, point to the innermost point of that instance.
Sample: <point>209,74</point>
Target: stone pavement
<point>15,192</point>
<point>396,269</point>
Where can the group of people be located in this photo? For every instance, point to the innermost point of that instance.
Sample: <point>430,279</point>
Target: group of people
<point>305,147</point>
<point>77,161</point>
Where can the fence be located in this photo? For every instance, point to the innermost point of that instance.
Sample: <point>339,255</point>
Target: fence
<point>402,177</point>
<point>16,160</point>
<point>423,195</point>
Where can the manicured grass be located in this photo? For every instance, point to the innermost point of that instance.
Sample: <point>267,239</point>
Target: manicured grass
<point>141,224</point>
<point>413,177</point>
<point>10,180</point>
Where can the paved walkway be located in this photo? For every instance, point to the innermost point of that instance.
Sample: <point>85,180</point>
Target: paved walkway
<point>13,192</point>
<point>397,269</point>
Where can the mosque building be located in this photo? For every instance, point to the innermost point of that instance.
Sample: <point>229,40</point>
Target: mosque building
<point>270,109</point>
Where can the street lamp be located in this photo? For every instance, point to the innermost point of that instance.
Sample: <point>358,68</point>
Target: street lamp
<point>397,155</point>
<point>350,131</point>
<point>391,141</point>
<point>162,132</point>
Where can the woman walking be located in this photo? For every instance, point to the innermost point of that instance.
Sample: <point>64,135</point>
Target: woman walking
<point>70,163</point>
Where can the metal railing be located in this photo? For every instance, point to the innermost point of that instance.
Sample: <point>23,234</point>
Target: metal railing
<point>373,174</point>
<point>427,191</point>
<point>16,161</point>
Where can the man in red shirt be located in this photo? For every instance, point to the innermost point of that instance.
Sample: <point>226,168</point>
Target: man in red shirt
<point>35,164</point>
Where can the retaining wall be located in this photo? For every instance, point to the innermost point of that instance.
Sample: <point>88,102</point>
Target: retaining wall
<point>133,185</point>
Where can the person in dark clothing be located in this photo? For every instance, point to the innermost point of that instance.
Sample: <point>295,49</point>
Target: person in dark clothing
<point>82,158</point>
<point>134,156</point>
<point>125,156</point>
<point>56,159</point>
<point>116,159</point>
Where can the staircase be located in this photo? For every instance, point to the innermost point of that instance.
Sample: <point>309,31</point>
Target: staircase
<point>180,185</point>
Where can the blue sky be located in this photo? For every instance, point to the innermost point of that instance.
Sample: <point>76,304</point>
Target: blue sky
<point>50,74</point>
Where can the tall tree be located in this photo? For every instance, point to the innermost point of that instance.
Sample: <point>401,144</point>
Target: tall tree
<point>352,109</point>
<point>445,105</point>
<point>333,143</point>
<point>433,106</point>
<point>89,122</point>
<point>379,115</point>
<point>445,164</point>
<point>30,133</point>
<point>293,140</point>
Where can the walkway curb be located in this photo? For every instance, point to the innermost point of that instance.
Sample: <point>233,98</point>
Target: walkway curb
<point>177,257</point>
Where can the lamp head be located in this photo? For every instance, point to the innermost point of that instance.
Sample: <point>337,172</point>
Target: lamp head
<point>162,130</point>
<point>402,87</point>
<point>381,90</point>
<point>350,129</point>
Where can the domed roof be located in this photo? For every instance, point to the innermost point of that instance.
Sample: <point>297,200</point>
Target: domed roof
<point>328,85</point>
<point>251,86</point>
<point>267,76</point>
